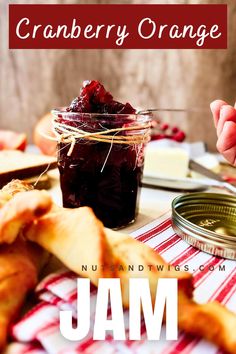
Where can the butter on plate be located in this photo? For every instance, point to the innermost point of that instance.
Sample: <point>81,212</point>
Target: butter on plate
<point>171,162</point>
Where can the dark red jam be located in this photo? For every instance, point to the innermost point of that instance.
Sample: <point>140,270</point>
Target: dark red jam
<point>106,178</point>
<point>94,98</point>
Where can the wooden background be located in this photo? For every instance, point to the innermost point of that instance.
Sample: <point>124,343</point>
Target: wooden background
<point>34,81</point>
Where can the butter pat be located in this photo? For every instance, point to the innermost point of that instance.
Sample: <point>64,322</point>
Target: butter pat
<point>166,162</point>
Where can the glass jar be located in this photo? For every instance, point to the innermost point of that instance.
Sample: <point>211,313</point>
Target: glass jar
<point>100,159</point>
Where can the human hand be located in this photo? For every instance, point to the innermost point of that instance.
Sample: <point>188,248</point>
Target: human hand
<point>224,117</point>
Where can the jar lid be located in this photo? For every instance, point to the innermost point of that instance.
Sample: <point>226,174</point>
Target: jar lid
<point>207,221</point>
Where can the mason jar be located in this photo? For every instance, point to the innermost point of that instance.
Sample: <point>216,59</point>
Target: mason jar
<point>100,159</point>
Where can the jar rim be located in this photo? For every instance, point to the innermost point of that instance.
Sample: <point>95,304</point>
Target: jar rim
<point>66,115</point>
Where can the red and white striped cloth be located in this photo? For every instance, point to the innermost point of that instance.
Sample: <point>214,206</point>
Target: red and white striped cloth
<point>38,332</point>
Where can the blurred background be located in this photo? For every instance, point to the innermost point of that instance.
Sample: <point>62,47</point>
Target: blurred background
<point>35,81</point>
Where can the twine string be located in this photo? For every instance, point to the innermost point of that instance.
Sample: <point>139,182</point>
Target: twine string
<point>70,135</point>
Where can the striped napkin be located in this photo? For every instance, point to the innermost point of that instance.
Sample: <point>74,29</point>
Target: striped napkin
<point>214,279</point>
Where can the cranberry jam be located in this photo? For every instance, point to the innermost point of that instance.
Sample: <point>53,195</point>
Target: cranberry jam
<point>104,175</point>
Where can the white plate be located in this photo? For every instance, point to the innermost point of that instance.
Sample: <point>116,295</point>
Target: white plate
<point>188,184</point>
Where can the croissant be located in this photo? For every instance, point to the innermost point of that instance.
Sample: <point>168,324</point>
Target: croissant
<point>76,237</point>
<point>21,261</point>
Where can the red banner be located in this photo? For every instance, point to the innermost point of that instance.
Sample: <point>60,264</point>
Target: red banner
<point>117,26</point>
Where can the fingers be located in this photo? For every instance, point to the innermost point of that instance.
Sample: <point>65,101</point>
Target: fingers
<point>226,143</point>
<point>224,117</point>
<point>227,113</point>
<point>215,108</point>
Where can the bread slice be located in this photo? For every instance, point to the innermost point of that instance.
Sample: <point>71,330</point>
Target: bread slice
<point>20,165</point>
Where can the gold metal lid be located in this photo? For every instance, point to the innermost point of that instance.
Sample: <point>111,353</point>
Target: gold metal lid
<point>207,221</point>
